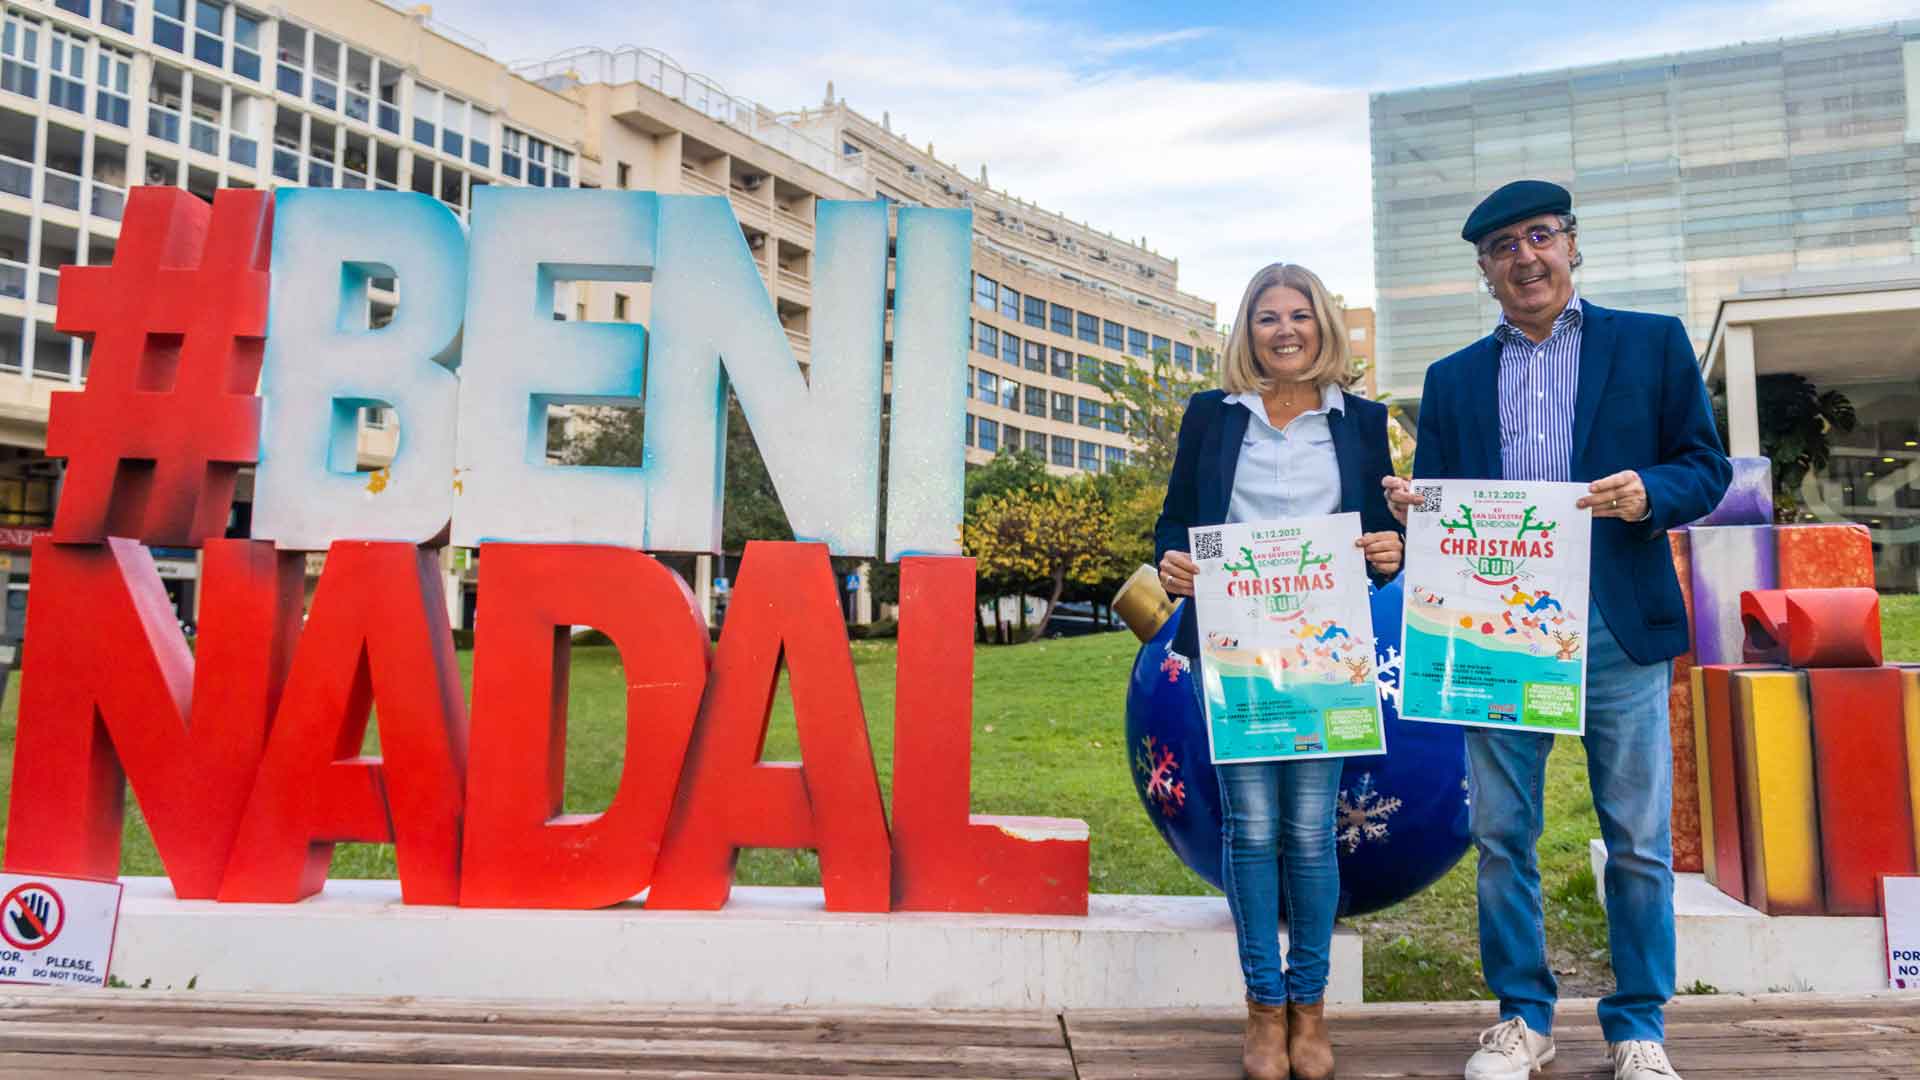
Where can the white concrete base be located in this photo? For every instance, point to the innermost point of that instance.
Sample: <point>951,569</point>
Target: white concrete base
<point>770,947</point>
<point>1730,946</point>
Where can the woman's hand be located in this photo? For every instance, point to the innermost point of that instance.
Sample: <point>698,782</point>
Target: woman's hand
<point>1400,496</point>
<point>1383,551</point>
<point>1176,573</point>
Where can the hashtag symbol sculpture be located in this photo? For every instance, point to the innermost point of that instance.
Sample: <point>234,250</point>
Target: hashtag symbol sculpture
<point>155,442</point>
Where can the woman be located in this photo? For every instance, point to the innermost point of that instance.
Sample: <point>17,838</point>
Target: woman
<point>1280,439</point>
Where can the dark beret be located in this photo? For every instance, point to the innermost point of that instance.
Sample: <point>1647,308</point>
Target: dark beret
<point>1513,202</point>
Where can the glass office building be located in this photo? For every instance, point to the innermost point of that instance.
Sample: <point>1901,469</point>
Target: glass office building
<point>1689,172</point>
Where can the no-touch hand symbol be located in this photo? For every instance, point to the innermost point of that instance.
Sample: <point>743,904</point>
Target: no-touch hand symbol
<point>31,916</point>
<point>178,322</point>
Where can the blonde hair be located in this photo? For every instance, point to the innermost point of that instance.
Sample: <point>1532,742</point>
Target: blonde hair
<point>1242,372</point>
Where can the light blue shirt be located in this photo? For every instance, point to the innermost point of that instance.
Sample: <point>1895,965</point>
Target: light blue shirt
<point>1538,387</point>
<point>1286,472</point>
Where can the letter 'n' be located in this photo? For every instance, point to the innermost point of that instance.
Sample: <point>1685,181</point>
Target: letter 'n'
<point>111,693</point>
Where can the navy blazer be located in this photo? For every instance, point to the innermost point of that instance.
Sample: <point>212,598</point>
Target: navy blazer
<point>1640,404</point>
<point>1209,451</point>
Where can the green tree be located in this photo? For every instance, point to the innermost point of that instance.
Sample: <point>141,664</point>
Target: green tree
<point>1795,420</point>
<point>1152,401</point>
<point>1045,535</point>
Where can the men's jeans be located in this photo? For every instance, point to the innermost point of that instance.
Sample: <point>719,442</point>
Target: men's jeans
<point>1630,768</point>
<point>1277,822</point>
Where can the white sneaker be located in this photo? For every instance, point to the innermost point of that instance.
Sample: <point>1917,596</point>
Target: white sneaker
<point>1640,1059</point>
<point>1510,1051</point>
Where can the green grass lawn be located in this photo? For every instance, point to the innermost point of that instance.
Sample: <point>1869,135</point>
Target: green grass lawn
<point>1048,740</point>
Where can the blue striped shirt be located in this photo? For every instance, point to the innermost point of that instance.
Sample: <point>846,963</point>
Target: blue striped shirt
<point>1538,384</point>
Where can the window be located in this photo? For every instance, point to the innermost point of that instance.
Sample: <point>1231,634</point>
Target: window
<point>67,71</point>
<point>246,45</point>
<point>1010,349</point>
<point>170,24</point>
<point>1183,355</point>
<point>1036,401</point>
<point>1116,457</point>
<point>426,109</point>
<point>1089,413</point>
<point>453,126</point>
<point>1136,342</point>
<point>1110,416</point>
<point>1162,348</point>
<point>1089,328</point>
<point>111,102</point>
<point>1063,451</point>
<point>969,339</point>
<point>562,168</point>
<point>117,14</point>
<point>1113,372</point>
<point>619,308</point>
<point>986,291</point>
<point>1088,370</point>
<point>78,7</point>
<point>20,56</point>
<point>988,339</point>
<point>1090,456</point>
<point>1063,407</point>
<point>324,88</point>
<point>1010,438</point>
<point>1010,304</point>
<point>389,107</point>
<point>969,429</point>
<point>1061,320</point>
<point>1037,444</point>
<point>513,147</point>
<point>1036,312</point>
<point>520,152</point>
<point>1035,355</point>
<point>291,77</point>
<point>209,32</point>
<point>1010,395</point>
<point>989,438</point>
<point>1206,360</point>
<point>987,386</point>
<point>1062,364</point>
<point>622,175</point>
<point>1113,336</point>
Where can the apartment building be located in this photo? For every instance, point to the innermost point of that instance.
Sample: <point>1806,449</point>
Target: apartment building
<point>97,95</point>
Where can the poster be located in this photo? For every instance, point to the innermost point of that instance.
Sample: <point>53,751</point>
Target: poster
<point>1286,640</point>
<point>1495,624</point>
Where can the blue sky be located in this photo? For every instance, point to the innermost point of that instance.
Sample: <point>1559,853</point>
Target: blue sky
<point>1228,135</point>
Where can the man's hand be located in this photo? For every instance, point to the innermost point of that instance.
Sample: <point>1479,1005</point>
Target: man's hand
<point>1383,551</point>
<point>1621,495</point>
<point>1176,573</point>
<point>1400,496</point>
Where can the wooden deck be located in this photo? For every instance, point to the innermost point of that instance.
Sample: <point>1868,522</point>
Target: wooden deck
<point>132,1033</point>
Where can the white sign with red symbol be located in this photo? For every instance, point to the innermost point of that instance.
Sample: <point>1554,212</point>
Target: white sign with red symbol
<point>1901,899</point>
<point>57,931</point>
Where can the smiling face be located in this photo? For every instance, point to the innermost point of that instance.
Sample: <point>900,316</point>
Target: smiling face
<point>1534,283</point>
<point>1286,335</point>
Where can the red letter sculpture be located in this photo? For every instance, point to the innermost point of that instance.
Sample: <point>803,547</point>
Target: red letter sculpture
<point>520,850</point>
<point>106,689</point>
<point>377,634</point>
<point>944,859</point>
<point>729,799</point>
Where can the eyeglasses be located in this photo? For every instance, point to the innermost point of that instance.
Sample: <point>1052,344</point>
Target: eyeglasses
<point>1538,238</point>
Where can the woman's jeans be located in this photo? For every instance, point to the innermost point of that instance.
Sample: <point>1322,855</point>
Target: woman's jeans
<point>1278,827</point>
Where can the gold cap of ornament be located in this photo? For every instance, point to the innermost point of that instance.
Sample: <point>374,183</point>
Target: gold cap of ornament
<point>1143,603</point>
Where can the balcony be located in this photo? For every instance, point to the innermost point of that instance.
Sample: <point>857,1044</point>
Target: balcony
<point>163,123</point>
<point>700,184</point>
<point>801,343</point>
<point>13,279</point>
<point>205,138</point>
<point>16,177</point>
<point>108,201</point>
<point>798,225</point>
<point>61,189</point>
<point>749,209</point>
<point>49,287</point>
<point>793,281</point>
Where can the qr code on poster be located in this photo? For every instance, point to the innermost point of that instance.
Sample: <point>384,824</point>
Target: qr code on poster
<point>1206,545</point>
<point>1429,497</point>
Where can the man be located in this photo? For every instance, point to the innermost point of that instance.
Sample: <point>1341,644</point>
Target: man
<point>1567,390</point>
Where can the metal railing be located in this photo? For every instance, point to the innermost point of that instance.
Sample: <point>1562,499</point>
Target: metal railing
<point>61,189</point>
<point>13,279</point>
<point>108,201</point>
<point>651,67</point>
<point>16,176</point>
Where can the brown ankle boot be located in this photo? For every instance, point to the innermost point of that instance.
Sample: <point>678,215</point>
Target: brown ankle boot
<point>1265,1056</point>
<point>1307,1044</point>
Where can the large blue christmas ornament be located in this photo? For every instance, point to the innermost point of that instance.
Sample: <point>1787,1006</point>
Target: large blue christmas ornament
<point>1401,821</point>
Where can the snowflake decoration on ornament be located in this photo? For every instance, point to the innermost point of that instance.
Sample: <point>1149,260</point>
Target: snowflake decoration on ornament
<point>1158,770</point>
<point>1361,817</point>
<point>1175,665</point>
